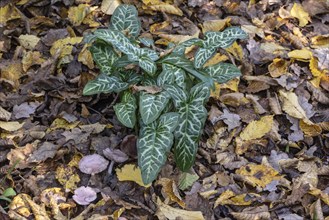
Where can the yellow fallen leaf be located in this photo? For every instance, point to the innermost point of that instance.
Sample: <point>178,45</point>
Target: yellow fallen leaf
<point>170,189</point>
<point>32,58</point>
<point>12,72</point>
<point>302,55</point>
<point>278,67</point>
<point>230,198</point>
<point>130,172</point>
<point>321,41</point>
<point>158,27</point>
<point>64,45</point>
<point>233,85</point>
<point>217,58</point>
<point>11,125</point>
<point>7,13</point>
<point>258,175</point>
<point>257,129</point>
<point>236,50</point>
<point>61,123</point>
<point>28,41</point>
<point>68,177</point>
<point>19,205</point>
<point>108,6</point>
<point>310,130</point>
<point>292,107</point>
<point>298,12</point>
<point>318,193</point>
<point>314,67</point>
<point>86,58</point>
<point>215,25</point>
<point>77,14</point>
<point>216,92</point>
<point>173,213</point>
<point>90,20</point>
<point>167,8</point>
<point>254,30</point>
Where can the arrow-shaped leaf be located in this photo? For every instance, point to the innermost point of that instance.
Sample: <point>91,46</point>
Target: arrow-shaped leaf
<point>104,84</point>
<point>223,39</point>
<point>125,18</point>
<point>126,110</point>
<point>104,56</point>
<point>151,105</point>
<point>154,143</point>
<point>202,55</point>
<point>171,74</point>
<point>223,72</point>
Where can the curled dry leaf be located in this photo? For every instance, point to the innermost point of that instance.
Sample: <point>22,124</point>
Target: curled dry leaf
<point>92,164</point>
<point>84,195</point>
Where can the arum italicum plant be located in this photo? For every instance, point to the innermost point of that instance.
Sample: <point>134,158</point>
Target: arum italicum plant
<point>163,97</point>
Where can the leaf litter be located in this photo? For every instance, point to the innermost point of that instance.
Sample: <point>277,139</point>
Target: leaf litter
<point>264,150</point>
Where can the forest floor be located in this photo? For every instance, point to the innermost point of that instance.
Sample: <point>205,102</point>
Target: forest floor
<point>264,152</point>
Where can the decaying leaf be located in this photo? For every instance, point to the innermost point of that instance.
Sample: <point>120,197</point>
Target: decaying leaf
<point>257,129</point>
<point>130,172</point>
<point>169,188</point>
<point>298,12</point>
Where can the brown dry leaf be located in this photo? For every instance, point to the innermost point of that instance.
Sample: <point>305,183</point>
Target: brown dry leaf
<point>318,193</point>
<point>21,155</point>
<point>45,150</point>
<point>32,58</point>
<point>11,71</point>
<point>258,175</point>
<point>168,212</point>
<point>7,13</point>
<point>86,58</point>
<point>230,198</point>
<point>236,50</point>
<point>169,188</point>
<point>28,41</point>
<point>11,125</point>
<point>77,14</point>
<point>257,213</point>
<point>310,130</point>
<point>4,114</point>
<point>108,6</point>
<point>278,67</point>
<point>59,123</point>
<point>321,41</point>
<point>158,28</point>
<point>130,172</point>
<point>162,6</point>
<point>253,30</point>
<point>298,12</point>
<point>292,107</point>
<point>215,25</point>
<point>257,129</point>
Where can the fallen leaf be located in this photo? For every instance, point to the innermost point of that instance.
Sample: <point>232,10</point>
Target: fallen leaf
<point>173,213</point>
<point>257,129</point>
<point>68,177</point>
<point>292,107</point>
<point>4,114</point>
<point>24,110</point>
<point>230,119</point>
<point>310,130</point>
<point>77,14</point>
<point>258,175</point>
<point>11,125</point>
<point>8,13</point>
<point>215,25</point>
<point>298,12</point>
<point>228,197</point>
<point>65,46</point>
<point>278,67</point>
<point>108,6</point>
<point>45,150</point>
<point>86,58</point>
<point>130,172</point>
<point>28,41</point>
<point>170,190</point>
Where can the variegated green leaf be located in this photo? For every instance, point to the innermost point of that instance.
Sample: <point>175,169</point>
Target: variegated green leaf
<point>187,65</point>
<point>171,74</point>
<point>104,84</point>
<point>118,40</point>
<point>223,72</point>
<point>153,145</point>
<point>125,18</point>
<point>146,52</point>
<point>146,41</point>
<point>104,56</point>
<point>151,105</point>
<point>177,94</point>
<point>223,39</point>
<point>180,48</point>
<point>192,117</point>
<point>148,65</point>
<point>126,110</point>
<point>202,55</point>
